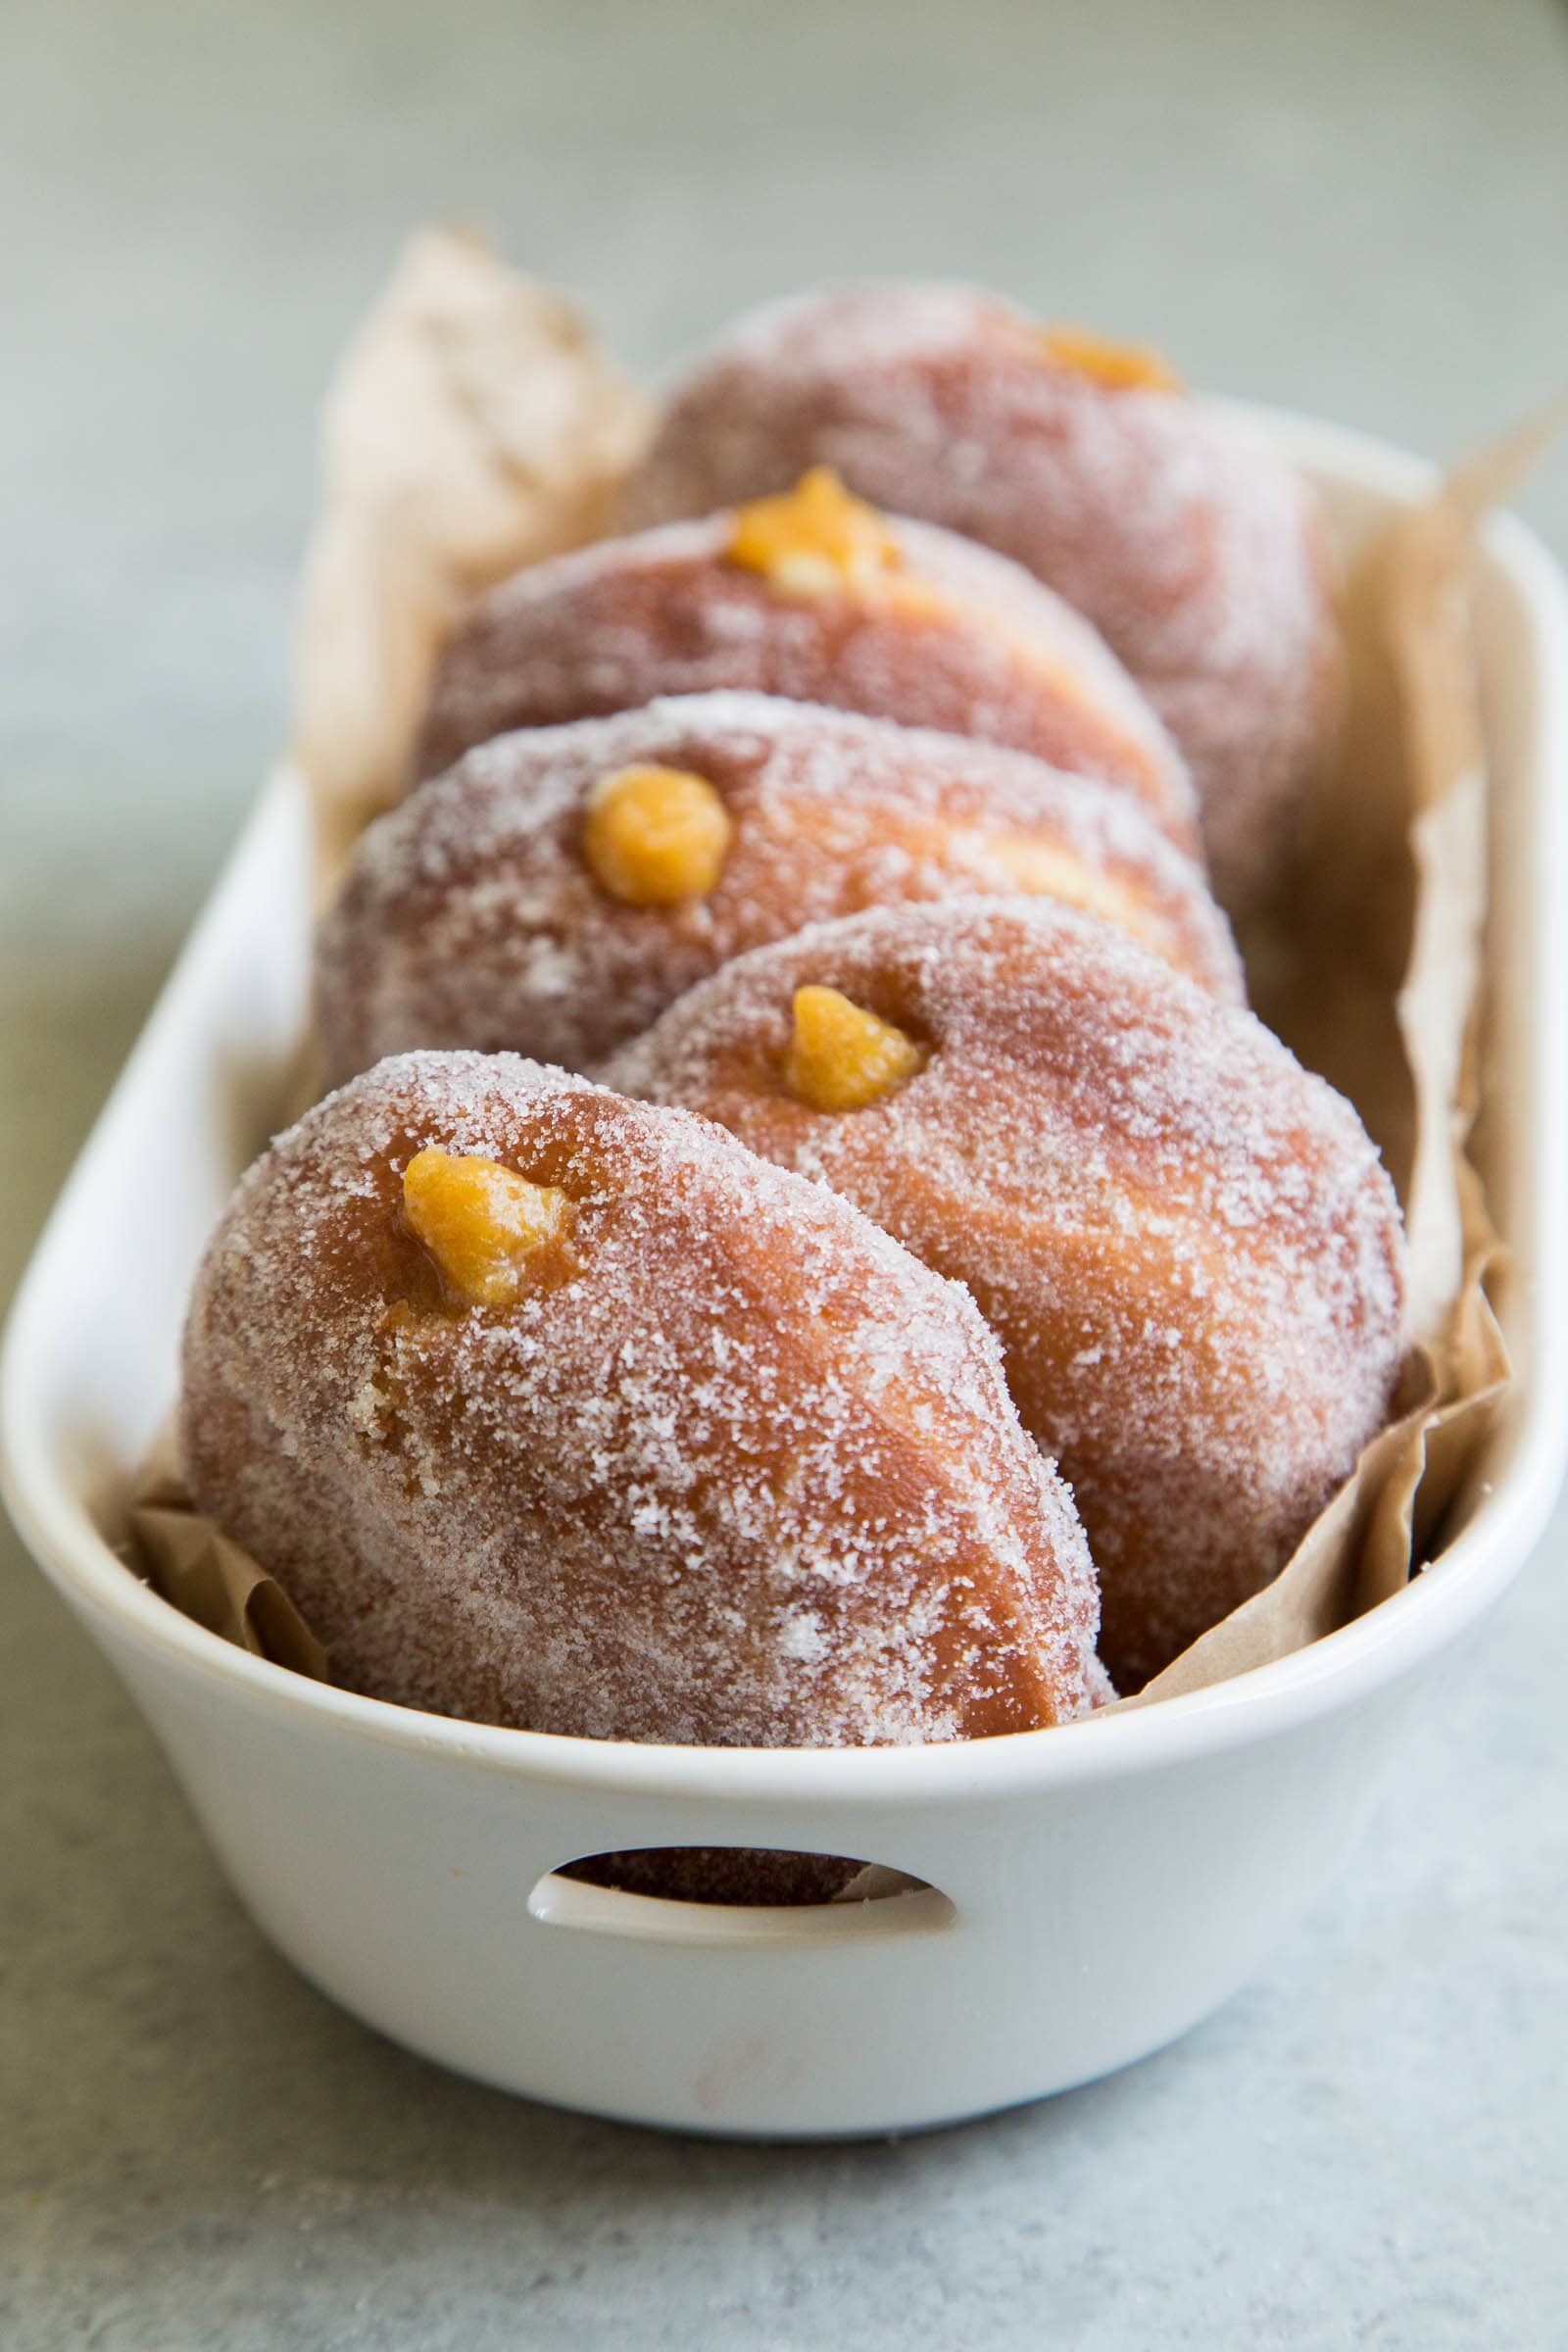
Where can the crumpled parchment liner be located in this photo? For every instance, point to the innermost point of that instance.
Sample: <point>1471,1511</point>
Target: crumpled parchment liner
<point>446,467</point>
<point>473,425</point>
<point>193,1564</point>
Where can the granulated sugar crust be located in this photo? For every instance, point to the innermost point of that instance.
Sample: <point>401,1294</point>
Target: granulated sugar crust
<point>958,639</point>
<point>734,1470</point>
<point>1185,1244</point>
<point>470,918</point>
<point>1173,525</point>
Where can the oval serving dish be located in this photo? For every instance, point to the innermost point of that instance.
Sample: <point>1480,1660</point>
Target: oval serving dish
<point>1093,1891</point>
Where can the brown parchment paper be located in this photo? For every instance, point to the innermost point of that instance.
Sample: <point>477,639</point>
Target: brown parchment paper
<point>193,1564</point>
<point>473,425</point>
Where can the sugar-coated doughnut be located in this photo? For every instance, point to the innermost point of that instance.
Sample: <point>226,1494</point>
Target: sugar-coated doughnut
<point>556,1411</point>
<point>559,887</point>
<point>1185,1244</point>
<point>819,598</point>
<point>1173,524</point>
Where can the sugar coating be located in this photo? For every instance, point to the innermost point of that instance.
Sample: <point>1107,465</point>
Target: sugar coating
<point>955,638</point>
<point>734,1469</point>
<point>1173,525</point>
<point>469,915</point>
<point>1185,1244</point>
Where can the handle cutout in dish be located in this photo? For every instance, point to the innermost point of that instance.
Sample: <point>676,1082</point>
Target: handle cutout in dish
<point>736,1895</point>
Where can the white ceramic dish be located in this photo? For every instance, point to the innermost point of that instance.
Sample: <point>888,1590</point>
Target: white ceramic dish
<point>1102,1888</point>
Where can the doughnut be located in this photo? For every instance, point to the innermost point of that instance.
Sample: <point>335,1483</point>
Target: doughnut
<point>560,886</point>
<point>556,1411</point>
<point>1175,526</point>
<point>1186,1244</point>
<point>816,597</point>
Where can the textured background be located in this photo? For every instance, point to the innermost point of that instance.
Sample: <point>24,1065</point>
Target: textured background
<point>1357,208</point>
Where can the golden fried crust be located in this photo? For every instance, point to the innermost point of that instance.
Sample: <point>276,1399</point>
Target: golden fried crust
<point>1185,1243</point>
<point>477,915</point>
<point>727,1466</point>
<point>950,637</point>
<point>1173,524</point>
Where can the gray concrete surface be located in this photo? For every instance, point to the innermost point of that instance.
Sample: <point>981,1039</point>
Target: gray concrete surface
<point>1358,208</point>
